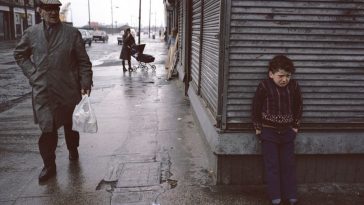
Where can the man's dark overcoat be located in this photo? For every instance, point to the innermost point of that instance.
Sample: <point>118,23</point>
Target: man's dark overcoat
<point>57,69</point>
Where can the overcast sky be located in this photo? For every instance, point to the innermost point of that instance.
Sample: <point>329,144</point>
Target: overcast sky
<point>124,12</point>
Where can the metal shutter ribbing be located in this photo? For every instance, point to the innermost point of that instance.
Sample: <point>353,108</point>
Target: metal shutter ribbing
<point>210,53</point>
<point>195,44</point>
<point>325,40</point>
<point>180,30</point>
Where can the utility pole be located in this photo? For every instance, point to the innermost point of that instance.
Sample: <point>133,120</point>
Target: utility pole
<point>140,15</point>
<point>89,19</point>
<point>155,22</point>
<point>150,8</point>
<point>112,20</point>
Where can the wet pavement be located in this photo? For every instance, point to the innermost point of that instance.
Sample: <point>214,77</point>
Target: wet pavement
<point>147,150</point>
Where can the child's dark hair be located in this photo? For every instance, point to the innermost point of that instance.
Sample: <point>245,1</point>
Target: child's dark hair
<point>281,62</point>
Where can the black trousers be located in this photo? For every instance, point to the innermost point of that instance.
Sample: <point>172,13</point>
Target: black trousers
<point>48,143</point>
<point>129,63</point>
<point>279,163</point>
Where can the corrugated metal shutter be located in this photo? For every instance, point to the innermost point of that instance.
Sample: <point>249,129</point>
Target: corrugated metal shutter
<point>195,44</point>
<point>326,42</point>
<point>210,53</point>
<point>180,29</point>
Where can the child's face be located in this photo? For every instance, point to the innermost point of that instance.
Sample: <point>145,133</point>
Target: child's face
<point>280,78</point>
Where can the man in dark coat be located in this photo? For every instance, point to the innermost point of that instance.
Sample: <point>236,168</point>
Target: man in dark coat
<point>128,43</point>
<point>52,56</point>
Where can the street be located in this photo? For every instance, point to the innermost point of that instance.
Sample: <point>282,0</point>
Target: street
<point>147,151</point>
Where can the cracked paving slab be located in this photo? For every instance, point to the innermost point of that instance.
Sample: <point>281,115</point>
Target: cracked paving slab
<point>139,175</point>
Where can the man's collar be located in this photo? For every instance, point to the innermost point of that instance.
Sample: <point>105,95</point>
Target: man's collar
<point>51,25</point>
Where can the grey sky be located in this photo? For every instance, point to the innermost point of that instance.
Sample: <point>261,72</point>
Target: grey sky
<point>124,11</point>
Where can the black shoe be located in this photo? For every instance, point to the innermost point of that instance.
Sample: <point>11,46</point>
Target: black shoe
<point>130,70</point>
<point>47,173</point>
<point>73,155</point>
<point>124,69</point>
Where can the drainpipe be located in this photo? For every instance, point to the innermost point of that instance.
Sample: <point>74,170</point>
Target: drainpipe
<point>26,2</point>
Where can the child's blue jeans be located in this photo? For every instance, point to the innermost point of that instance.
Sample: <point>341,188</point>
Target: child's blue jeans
<point>279,163</point>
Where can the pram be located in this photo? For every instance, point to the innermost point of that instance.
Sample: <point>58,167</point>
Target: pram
<point>143,59</point>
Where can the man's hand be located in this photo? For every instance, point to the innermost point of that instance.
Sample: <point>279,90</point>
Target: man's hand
<point>84,92</point>
<point>295,130</point>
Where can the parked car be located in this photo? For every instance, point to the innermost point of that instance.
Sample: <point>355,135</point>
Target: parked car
<point>120,36</point>
<point>100,36</point>
<point>86,36</point>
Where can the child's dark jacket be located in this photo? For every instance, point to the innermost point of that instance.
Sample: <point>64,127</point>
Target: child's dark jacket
<point>277,107</point>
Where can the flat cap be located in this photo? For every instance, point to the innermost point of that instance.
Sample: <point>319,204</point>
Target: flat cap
<point>50,3</point>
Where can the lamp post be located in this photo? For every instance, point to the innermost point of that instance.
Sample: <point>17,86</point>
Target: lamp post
<point>140,14</point>
<point>116,20</point>
<point>150,8</point>
<point>112,20</point>
<point>89,19</point>
<point>155,22</point>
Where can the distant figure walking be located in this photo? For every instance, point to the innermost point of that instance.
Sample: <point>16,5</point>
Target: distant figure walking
<point>125,54</point>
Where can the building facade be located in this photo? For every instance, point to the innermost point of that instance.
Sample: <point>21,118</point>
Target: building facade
<point>224,50</point>
<point>15,16</point>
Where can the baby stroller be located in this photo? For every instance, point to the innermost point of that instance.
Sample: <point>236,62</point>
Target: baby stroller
<point>144,60</point>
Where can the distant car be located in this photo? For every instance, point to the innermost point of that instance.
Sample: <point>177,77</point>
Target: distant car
<point>86,36</point>
<point>91,32</point>
<point>120,36</point>
<point>100,36</point>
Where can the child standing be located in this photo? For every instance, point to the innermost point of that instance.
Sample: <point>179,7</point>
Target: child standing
<point>276,115</point>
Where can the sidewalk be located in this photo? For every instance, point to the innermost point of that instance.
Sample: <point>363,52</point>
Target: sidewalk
<point>6,54</point>
<point>10,80</point>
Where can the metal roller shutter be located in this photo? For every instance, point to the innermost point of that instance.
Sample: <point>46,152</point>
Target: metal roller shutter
<point>195,44</point>
<point>325,40</point>
<point>210,53</point>
<point>180,29</point>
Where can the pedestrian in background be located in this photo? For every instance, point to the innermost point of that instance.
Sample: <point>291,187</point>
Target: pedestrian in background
<point>276,115</point>
<point>172,38</point>
<point>52,56</point>
<point>165,35</point>
<point>125,54</point>
<point>172,45</point>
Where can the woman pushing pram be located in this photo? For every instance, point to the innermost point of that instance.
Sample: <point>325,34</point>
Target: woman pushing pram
<point>125,54</point>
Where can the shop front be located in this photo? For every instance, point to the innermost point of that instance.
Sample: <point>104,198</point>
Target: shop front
<point>5,31</point>
<point>20,21</point>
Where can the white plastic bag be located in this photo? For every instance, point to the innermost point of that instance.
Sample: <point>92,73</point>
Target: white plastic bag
<point>84,118</point>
